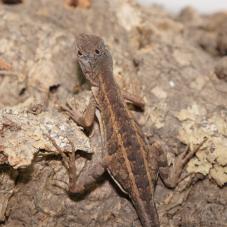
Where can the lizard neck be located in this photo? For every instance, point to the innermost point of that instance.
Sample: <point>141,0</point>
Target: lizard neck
<point>123,137</point>
<point>106,79</point>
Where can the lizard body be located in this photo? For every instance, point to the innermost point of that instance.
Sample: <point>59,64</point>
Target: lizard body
<point>124,140</point>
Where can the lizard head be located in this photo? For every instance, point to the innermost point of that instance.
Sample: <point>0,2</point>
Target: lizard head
<point>93,56</point>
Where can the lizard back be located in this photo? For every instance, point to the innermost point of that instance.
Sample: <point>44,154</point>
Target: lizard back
<point>125,142</point>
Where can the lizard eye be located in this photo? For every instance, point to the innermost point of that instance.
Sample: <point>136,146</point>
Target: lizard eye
<point>97,51</point>
<point>79,53</point>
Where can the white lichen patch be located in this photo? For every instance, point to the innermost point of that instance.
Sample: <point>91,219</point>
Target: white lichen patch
<point>219,174</point>
<point>128,16</point>
<point>24,134</point>
<point>183,59</point>
<point>211,160</point>
<point>44,73</point>
<point>159,92</point>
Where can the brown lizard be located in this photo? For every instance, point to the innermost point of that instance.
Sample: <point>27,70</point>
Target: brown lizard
<point>130,161</point>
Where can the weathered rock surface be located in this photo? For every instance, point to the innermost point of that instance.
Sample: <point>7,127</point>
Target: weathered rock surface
<point>173,63</point>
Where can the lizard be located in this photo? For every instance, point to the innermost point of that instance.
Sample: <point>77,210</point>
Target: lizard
<point>129,159</point>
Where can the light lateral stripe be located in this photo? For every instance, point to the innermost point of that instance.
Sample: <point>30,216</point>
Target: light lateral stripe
<point>141,142</point>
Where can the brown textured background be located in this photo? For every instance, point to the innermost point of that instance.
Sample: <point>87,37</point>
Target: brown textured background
<point>177,64</point>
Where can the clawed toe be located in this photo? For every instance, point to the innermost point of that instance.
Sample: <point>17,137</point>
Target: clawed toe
<point>185,157</point>
<point>68,110</point>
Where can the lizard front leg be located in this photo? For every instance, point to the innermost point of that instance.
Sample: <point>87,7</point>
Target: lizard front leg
<point>80,184</point>
<point>87,119</point>
<point>135,100</point>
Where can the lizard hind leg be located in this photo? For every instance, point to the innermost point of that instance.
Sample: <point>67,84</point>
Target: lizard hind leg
<point>87,179</point>
<point>79,184</point>
<point>171,176</point>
